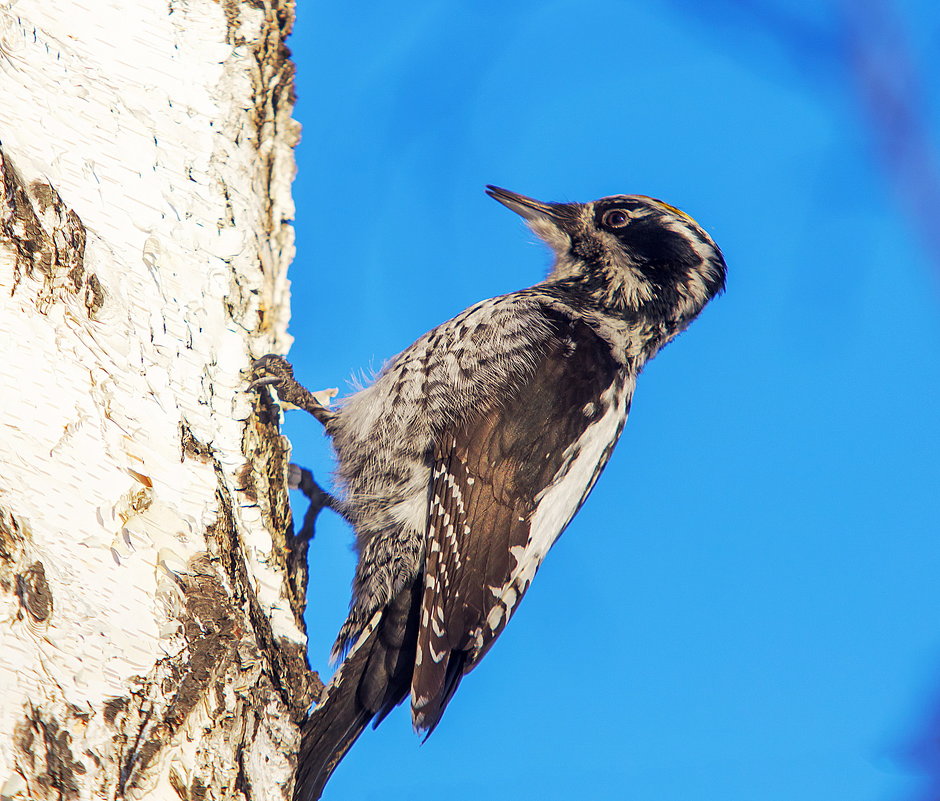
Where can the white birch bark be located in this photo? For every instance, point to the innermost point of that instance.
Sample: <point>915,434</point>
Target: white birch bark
<point>151,638</point>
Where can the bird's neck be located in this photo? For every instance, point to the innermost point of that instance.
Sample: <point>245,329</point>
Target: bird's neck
<point>635,333</point>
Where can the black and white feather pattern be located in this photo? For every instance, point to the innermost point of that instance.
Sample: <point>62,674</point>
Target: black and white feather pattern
<point>505,484</point>
<point>456,498</point>
<point>462,464</point>
<point>385,435</point>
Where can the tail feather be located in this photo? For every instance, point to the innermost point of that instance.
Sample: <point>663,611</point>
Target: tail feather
<point>334,725</point>
<point>373,680</point>
<point>427,713</point>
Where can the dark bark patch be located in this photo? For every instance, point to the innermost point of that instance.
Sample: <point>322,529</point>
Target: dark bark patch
<point>45,751</point>
<point>210,629</point>
<point>286,660</point>
<point>48,239</point>
<point>33,591</point>
<point>267,459</point>
<point>179,787</point>
<point>213,637</point>
<point>12,537</point>
<point>246,481</point>
<point>192,447</point>
<point>197,790</point>
<point>94,295</point>
<point>114,707</point>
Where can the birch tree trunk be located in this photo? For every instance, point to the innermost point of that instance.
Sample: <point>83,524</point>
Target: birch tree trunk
<point>151,591</point>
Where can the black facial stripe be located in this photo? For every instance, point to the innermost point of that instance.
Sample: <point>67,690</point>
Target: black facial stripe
<point>662,254</point>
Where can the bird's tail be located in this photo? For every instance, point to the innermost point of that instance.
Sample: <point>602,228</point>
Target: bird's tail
<point>334,725</point>
<point>374,678</point>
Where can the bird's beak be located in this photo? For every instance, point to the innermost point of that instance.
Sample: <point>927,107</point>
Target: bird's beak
<point>534,211</point>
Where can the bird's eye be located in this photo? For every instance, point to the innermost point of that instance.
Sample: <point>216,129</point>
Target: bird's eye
<point>615,218</point>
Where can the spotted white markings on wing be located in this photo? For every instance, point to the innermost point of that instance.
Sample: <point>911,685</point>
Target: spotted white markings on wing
<point>446,509</point>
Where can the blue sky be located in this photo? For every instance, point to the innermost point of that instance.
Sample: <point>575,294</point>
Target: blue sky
<point>747,606</point>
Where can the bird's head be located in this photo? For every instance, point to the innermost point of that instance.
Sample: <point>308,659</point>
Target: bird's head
<point>635,255</point>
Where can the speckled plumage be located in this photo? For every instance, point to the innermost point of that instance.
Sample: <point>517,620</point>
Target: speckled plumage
<point>464,461</point>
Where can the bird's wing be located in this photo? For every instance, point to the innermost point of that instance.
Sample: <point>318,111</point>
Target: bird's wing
<point>504,486</point>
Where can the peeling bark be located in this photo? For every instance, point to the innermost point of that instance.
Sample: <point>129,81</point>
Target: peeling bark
<point>151,586</point>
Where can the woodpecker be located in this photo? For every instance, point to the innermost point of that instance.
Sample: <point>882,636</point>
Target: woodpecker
<point>464,461</point>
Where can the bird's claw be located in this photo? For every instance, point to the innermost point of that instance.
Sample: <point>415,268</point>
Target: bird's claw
<point>271,369</point>
<point>275,371</point>
<point>264,382</point>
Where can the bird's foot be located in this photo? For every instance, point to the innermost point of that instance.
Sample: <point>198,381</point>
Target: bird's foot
<point>300,478</point>
<point>275,371</point>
